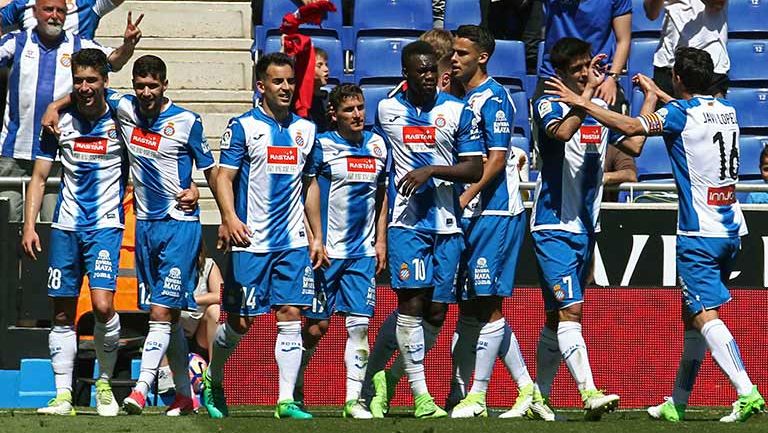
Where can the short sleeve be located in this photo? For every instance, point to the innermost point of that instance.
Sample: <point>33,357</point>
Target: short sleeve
<point>233,146</point>
<point>314,162</point>
<point>198,146</point>
<point>622,7</point>
<point>468,136</point>
<point>547,112</point>
<point>498,115</point>
<point>667,120</point>
<point>49,146</point>
<point>88,43</point>
<point>103,7</point>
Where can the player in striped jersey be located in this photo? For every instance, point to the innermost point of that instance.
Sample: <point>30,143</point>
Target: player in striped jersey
<point>353,182</point>
<point>565,219</point>
<point>494,228</point>
<point>83,16</point>
<point>266,158</point>
<point>702,137</point>
<point>87,228</point>
<point>433,141</point>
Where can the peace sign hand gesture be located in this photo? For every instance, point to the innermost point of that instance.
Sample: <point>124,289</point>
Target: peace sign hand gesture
<point>132,31</point>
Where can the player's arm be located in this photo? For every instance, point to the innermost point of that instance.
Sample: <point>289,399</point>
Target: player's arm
<point>468,170</point>
<point>215,281</point>
<point>311,192</point>
<point>381,227</point>
<point>624,170</point>
<point>50,120</point>
<point>30,241</point>
<point>119,57</point>
<point>497,160</point>
<point>232,231</point>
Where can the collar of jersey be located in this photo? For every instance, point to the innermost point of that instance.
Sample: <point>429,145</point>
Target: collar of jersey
<point>261,114</point>
<point>403,98</point>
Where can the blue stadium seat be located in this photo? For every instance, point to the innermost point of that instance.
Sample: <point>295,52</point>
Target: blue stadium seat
<point>653,162</point>
<point>406,17</point>
<point>641,25</point>
<point>750,147</point>
<point>747,17</point>
<point>458,12</point>
<point>507,65</point>
<point>373,94</point>
<point>521,125</point>
<point>329,43</point>
<point>272,17</point>
<point>378,58</point>
<point>751,106</point>
<point>749,59</point>
<point>523,143</point>
<point>641,57</point>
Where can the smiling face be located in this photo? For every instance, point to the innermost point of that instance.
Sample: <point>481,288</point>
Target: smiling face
<point>150,92</point>
<point>576,75</point>
<point>89,87</point>
<point>50,16</point>
<point>278,87</point>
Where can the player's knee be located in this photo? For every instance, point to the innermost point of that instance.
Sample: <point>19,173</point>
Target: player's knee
<point>317,330</point>
<point>571,313</point>
<point>160,314</point>
<point>103,309</point>
<point>287,313</point>
<point>436,314</point>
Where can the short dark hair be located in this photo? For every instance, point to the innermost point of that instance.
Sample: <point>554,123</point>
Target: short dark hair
<point>342,92</point>
<point>265,61</point>
<point>695,69</point>
<point>480,36</point>
<point>149,65</point>
<point>416,48</point>
<point>91,58</point>
<point>566,50</point>
<point>319,52</point>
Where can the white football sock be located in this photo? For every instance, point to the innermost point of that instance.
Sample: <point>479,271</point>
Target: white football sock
<point>306,356</point>
<point>410,340</point>
<point>155,346</point>
<point>178,360</point>
<point>106,338</point>
<point>383,349</point>
<point>487,349</point>
<point>694,349</point>
<point>288,350</point>
<point>463,355</point>
<point>547,360</point>
<point>431,332</point>
<point>356,355</point>
<point>574,351</point>
<point>510,354</point>
<point>224,343</point>
<point>726,354</point>
<point>62,344</point>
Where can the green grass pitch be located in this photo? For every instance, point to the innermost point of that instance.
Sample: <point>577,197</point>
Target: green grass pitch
<point>252,419</point>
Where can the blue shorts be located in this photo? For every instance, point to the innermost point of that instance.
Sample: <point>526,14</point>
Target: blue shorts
<point>420,260</point>
<point>73,254</point>
<point>564,261</point>
<point>703,267</point>
<point>347,286</point>
<point>166,262</point>
<point>255,282</point>
<point>490,259</point>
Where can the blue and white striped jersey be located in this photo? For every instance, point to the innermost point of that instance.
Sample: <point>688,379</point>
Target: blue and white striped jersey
<point>495,111</point>
<point>418,138</point>
<point>354,171</point>
<point>95,170</point>
<point>161,153</point>
<point>702,138</point>
<point>570,184</point>
<point>39,76</point>
<point>271,158</point>
<point>82,15</point>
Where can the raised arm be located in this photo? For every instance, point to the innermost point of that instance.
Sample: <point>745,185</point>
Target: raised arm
<point>131,38</point>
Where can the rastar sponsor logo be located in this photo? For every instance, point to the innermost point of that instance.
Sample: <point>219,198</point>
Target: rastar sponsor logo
<point>722,196</point>
<point>361,169</point>
<point>144,142</point>
<point>590,134</point>
<point>419,138</point>
<point>282,159</point>
<point>92,145</point>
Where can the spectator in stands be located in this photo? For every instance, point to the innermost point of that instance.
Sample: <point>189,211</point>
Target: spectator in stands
<point>40,61</point>
<point>521,20</point>
<point>617,169</point>
<point>83,16</point>
<point>691,23</point>
<point>761,197</point>
<point>605,24</point>
<point>318,111</point>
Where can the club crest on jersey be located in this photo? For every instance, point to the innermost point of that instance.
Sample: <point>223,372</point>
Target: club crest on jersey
<point>559,292</point>
<point>377,151</point>
<point>299,139</point>
<point>440,121</point>
<point>419,139</point>
<point>112,133</point>
<point>66,60</point>
<point>361,169</point>
<point>405,273</point>
<point>282,160</point>
<point>169,130</point>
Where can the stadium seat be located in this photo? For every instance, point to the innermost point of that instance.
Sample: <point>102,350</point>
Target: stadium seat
<point>329,43</point>
<point>523,143</point>
<point>405,17</point>
<point>748,59</point>
<point>747,18</point>
<point>750,147</point>
<point>272,17</point>
<point>751,106</point>
<point>378,58</point>
<point>653,162</point>
<point>521,125</point>
<point>373,94</point>
<point>459,12</point>
<point>641,57</point>
<point>507,65</point>
<point>641,25</point>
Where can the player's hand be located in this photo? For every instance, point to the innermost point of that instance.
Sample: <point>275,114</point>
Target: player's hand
<point>381,256</point>
<point>233,232</point>
<point>464,201</point>
<point>607,91</point>
<point>132,33</point>
<point>556,87</point>
<point>596,75</point>
<point>317,254</point>
<point>30,242</point>
<point>647,85</point>
<point>187,199</point>
<point>522,159</point>
<point>50,121</point>
<point>413,180</point>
